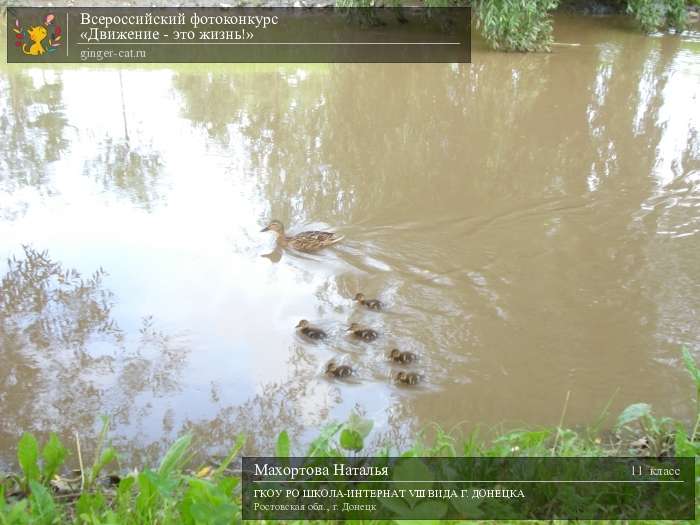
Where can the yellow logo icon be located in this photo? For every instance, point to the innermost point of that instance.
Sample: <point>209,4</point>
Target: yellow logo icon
<point>40,39</point>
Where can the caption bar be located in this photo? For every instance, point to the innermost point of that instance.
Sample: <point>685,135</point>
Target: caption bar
<point>236,34</point>
<point>469,488</point>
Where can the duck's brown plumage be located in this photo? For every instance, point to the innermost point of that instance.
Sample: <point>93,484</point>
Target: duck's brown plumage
<point>340,371</point>
<point>398,356</point>
<point>407,378</point>
<point>372,304</point>
<point>309,331</point>
<point>359,332</point>
<point>308,241</point>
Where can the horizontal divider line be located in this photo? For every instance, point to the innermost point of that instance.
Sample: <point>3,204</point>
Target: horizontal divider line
<point>270,43</point>
<point>472,481</point>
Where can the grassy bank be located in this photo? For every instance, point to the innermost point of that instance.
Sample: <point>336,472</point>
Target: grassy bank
<point>178,492</point>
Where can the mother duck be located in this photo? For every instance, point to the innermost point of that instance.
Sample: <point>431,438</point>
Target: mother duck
<point>308,241</point>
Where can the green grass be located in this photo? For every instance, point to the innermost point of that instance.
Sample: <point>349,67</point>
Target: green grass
<point>176,491</point>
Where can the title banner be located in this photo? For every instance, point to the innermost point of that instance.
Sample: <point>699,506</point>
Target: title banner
<point>237,34</point>
<point>469,488</point>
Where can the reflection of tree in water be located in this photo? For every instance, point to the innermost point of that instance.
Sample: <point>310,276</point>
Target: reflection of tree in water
<point>300,402</point>
<point>64,359</point>
<point>48,315</point>
<point>132,170</point>
<point>32,126</point>
<point>212,101</point>
<point>46,304</point>
<point>345,137</point>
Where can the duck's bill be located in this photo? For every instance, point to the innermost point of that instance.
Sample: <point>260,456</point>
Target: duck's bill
<point>266,228</point>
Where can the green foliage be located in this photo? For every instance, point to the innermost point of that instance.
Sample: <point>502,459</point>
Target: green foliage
<point>28,457</point>
<point>103,456</point>
<point>516,25</point>
<point>176,457</point>
<point>676,14</point>
<point>655,15</point>
<point>54,454</point>
<point>694,372</point>
<point>643,433</point>
<point>282,446</point>
<point>354,432</point>
<point>43,508</point>
<point>633,413</point>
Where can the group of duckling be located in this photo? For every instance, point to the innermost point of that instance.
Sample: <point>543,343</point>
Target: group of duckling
<point>312,241</point>
<point>368,335</point>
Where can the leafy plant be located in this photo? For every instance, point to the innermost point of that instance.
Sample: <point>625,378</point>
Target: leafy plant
<point>516,25</point>
<point>694,372</point>
<point>654,15</point>
<point>645,434</point>
<point>28,458</point>
<point>103,456</point>
<point>53,455</point>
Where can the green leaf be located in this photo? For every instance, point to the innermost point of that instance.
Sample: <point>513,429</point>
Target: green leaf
<point>175,457</point>
<point>428,510</point>
<point>164,485</point>
<point>319,446</point>
<point>351,440</point>
<point>124,494</point>
<point>359,424</point>
<point>27,455</point>
<point>90,504</point>
<point>633,413</point>
<point>396,505</point>
<point>683,446</point>
<point>146,499</point>
<point>411,469</point>
<point>54,454</point>
<point>42,505</point>
<point>467,508</point>
<point>237,446</point>
<point>108,455</point>
<point>282,446</point>
<point>691,366</point>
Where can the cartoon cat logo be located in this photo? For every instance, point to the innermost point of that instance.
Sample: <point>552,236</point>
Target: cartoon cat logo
<point>31,40</point>
<point>37,34</point>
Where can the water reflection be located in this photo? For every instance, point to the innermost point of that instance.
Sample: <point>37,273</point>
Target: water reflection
<point>60,343</point>
<point>33,133</point>
<point>529,220</point>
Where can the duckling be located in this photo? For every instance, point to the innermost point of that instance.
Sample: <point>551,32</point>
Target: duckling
<point>398,356</point>
<point>407,378</point>
<point>309,241</point>
<point>332,369</point>
<point>366,334</point>
<point>309,331</point>
<point>372,304</point>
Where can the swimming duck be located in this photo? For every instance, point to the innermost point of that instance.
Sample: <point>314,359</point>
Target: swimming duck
<point>398,356</point>
<point>309,331</point>
<point>372,304</point>
<point>366,334</point>
<point>332,369</point>
<point>309,241</point>
<point>407,378</point>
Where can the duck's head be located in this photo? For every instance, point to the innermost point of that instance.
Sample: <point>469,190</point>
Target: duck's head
<point>275,226</point>
<point>331,367</point>
<point>360,297</point>
<point>302,324</point>
<point>353,327</point>
<point>401,376</point>
<point>395,353</point>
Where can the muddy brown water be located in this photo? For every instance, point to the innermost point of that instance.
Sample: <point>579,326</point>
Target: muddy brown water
<point>531,221</point>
